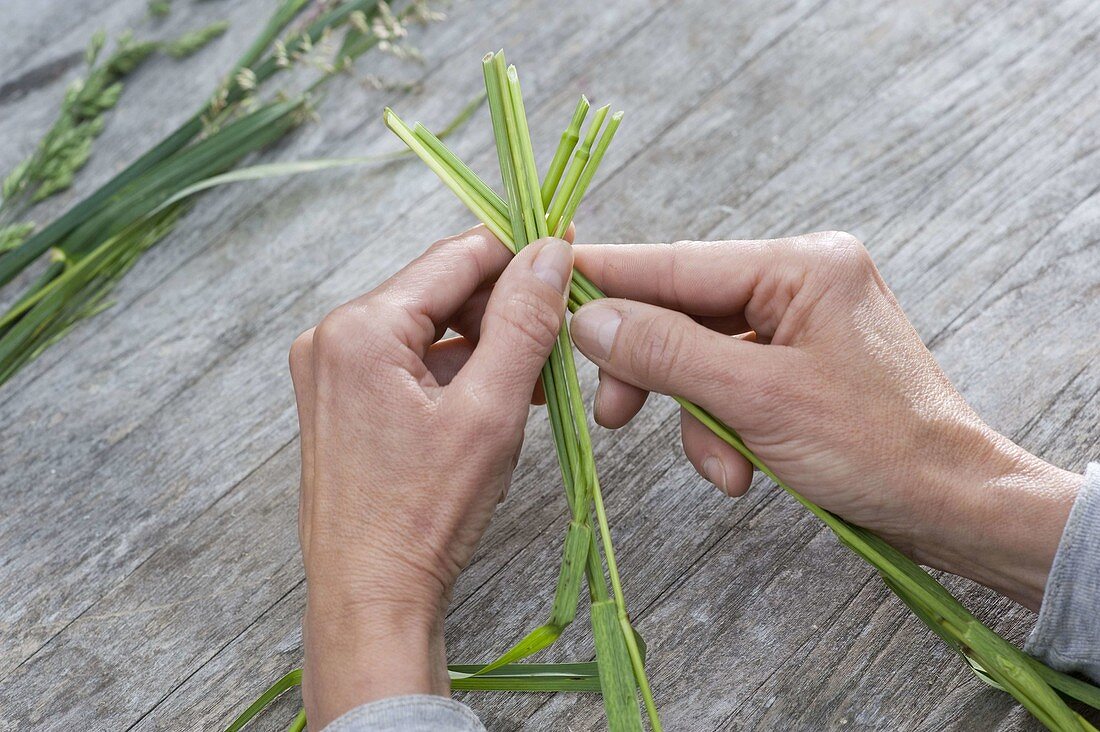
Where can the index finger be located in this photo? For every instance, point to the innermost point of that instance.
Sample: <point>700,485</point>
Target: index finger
<point>751,280</point>
<point>425,294</point>
<point>709,278</point>
<point>449,284</point>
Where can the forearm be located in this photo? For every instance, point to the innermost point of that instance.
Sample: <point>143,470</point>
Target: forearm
<point>356,657</point>
<point>999,517</point>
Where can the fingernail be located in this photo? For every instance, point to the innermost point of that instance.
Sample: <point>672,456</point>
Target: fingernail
<point>715,473</point>
<point>594,328</point>
<point>553,263</point>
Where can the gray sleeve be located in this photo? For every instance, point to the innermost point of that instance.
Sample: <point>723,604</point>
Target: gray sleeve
<point>414,713</point>
<point>1067,635</point>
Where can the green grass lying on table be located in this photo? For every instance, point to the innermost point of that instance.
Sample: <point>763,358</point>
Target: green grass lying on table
<point>518,219</point>
<point>67,143</point>
<point>84,252</point>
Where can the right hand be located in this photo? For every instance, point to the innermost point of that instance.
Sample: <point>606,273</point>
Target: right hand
<point>838,396</point>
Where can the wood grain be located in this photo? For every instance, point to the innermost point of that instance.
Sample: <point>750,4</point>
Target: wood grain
<point>150,577</point>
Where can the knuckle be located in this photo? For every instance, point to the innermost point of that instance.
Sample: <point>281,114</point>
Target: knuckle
<point>684,244</point>
<point>849,249</point>
<point>339,336</point>
<point>445,244</point>
<point>656,346</point>
<point>532,320</point>
<point>842,253</point>
<point>301,351</point>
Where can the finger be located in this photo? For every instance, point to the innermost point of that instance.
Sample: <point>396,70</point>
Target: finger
<point>413,304</point>
<point>447,357</point>
<point>301,374</point>
<point>703,278</point>
<point>521,324</point>
<point>665,351</point>
<point>616,402</point>
<point>715,460</point>
<point>754,280</point>
<point>467,321</point>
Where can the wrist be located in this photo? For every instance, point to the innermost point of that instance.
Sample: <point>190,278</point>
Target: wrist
<point>999,517</point>
<point>362,651</point>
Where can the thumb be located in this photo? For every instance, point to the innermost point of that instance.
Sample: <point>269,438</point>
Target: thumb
<point>521,324</point>
<point>668,352</point>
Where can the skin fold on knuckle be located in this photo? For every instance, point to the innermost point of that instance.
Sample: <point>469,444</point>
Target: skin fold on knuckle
<point>841,257</point>
<point>447,242</point>
<point>530,322</point>
<point>654,348</point>
<point>335,341</point>
<point>470,245</point>
<point>671,275</point>
<point>456,245</point>
<point>350,340</point>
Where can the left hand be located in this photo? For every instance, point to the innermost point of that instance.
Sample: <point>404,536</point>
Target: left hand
<point>408,444</point>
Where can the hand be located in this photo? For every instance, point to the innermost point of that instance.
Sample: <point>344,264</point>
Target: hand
<point>408,444</point>
<point>839,397</point>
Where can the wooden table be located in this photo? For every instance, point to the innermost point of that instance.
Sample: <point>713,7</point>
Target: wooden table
<point>149,569</point>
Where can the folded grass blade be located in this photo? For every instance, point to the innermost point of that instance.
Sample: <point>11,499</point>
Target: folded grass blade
<point>616,680</point>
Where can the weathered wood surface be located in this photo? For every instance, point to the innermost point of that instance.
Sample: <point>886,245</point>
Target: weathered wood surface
<point>149,576</point>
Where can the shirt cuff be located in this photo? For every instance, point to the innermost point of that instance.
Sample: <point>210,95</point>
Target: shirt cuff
<point>1067,634</point>
<point>413,713</point>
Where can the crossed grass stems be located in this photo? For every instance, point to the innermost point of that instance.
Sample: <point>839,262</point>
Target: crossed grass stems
<point>531,211</point>
<point>95,242</point>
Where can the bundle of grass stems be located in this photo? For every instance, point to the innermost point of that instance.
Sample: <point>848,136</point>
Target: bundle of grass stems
<point>530,210</point>
<point>93,244</point>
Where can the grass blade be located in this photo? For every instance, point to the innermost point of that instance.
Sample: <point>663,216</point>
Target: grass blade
<point>568,143</point>
<point>207,145</point>
<point>534,221</point>
<point>576,165</point>
<point>16,260</point>
<point>616,681</point>
<point>577,541</point>
<point>289,681</point>
<point>561,224</point>
<point>476,184</point>
<point>544,677</point>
